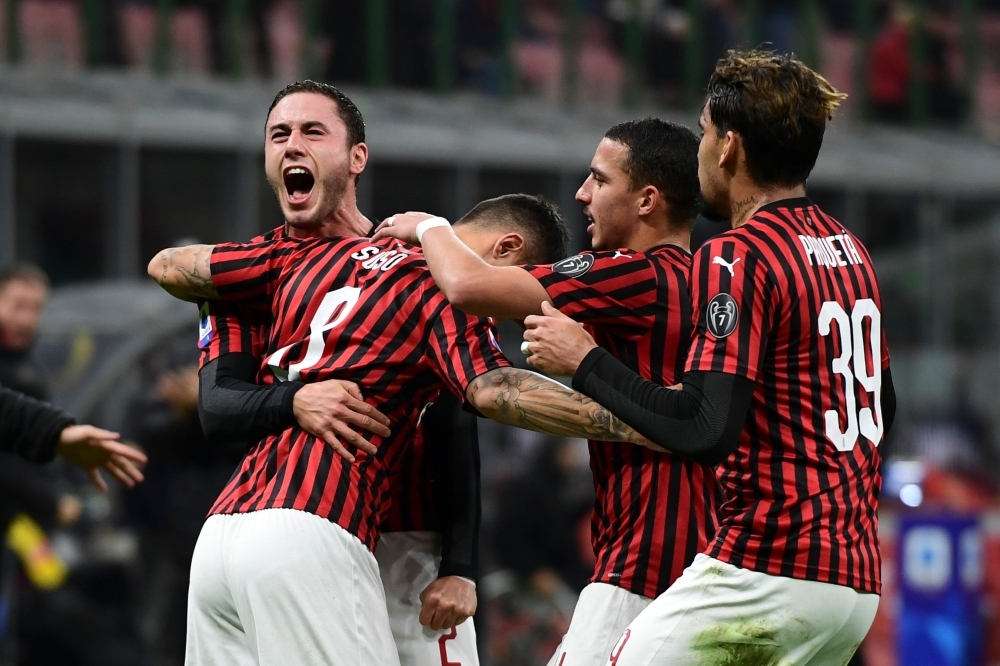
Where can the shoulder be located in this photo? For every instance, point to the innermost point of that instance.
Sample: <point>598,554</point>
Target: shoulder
<point>597,263</point>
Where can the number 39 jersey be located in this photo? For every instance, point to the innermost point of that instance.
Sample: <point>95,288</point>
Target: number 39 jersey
<point>790,301</point>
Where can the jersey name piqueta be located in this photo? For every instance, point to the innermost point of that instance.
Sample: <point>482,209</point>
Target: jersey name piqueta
<point>790,301</point>
<point>363,311</point>
<point>652,512</point>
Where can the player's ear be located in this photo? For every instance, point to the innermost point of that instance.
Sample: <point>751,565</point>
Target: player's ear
<point>359,158</point>
<point>509,248</point>
<point>649,197</point>
<point>729,155</point>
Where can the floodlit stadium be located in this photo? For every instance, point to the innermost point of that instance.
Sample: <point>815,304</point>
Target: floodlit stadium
<point>128,127</point>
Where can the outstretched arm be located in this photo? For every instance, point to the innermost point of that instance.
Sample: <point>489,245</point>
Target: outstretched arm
<point>184,272</point>
<point>528,400</point>
<point>469,283</point>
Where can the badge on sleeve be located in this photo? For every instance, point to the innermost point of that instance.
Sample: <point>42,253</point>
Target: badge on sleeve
<point>205,332</point>
<point>574,266</point>
<point>722,315</point>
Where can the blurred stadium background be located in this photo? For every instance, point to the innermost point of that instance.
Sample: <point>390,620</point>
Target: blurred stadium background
<point>130,125</point>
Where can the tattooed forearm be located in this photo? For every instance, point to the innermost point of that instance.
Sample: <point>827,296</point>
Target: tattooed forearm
<point>528,400</point>
<point>184,272</point>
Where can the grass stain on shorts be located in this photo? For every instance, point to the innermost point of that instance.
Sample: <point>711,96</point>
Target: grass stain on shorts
<point>743,644</point>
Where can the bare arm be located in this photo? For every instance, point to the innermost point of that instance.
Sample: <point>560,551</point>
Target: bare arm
<point>476,287</point>
<point>528,400</point>
<point>468,282</point>
<point>184,272</point>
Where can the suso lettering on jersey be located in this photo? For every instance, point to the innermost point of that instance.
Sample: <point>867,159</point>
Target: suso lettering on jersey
<point>722,315</point>
<point>574,266</point>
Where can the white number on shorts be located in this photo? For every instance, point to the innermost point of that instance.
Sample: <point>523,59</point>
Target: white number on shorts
<point>852,364</point>
<point>335,308</point>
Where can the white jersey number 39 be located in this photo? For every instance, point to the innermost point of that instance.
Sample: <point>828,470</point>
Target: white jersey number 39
<point>852,365</point>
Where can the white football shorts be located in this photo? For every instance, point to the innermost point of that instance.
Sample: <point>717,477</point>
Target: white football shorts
<point>601,615</point>
<point>279,587</point>
<point>716,613</point>
<point>408,563</point>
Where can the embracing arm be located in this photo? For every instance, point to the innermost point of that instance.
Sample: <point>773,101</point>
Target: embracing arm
<point>184,272</point>
<point>528,400</point>
<point>702,421</point>
<point>232,407</point>
<point>476,287</point>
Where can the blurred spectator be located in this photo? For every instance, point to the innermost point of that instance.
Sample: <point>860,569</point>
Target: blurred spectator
<point>778,23</point>
<point>23,292</point>
<point>542,541</point>
<point>946,103</point>
<point>540,53</point>
<point>169,508</point>
<point>203,38</point>
<point>52,33</point>
<point>889,65</point>
<point>25,488</point>
<point>537,533</point>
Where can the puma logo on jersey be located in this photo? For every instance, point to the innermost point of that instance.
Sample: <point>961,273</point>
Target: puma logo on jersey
<point>618,253</point>
<point>729,266</point>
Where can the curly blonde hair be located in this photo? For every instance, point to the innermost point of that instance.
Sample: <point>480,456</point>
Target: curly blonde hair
<point>779,106</point>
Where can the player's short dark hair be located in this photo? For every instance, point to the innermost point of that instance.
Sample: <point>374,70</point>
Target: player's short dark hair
<point>665,155</point>
<point>778,106</point>
<point>349,112</point>
<point>23,273</point>
<point>546,235</point>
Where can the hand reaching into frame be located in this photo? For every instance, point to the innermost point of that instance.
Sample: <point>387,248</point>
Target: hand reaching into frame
<point>93,449</point>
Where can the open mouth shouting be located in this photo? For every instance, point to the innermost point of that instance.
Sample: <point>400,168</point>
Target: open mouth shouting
<point>299,183</point>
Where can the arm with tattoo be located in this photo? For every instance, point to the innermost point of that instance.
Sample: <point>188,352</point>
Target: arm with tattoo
<point>528,400</point>
<point>184,272</point>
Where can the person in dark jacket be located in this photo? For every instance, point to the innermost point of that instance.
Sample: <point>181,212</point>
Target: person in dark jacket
<point>38,431</point>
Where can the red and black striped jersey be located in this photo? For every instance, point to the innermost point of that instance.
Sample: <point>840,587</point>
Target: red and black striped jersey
<point>240,327</point>
<point>652,512</point>
<point>790,301</point>
<point>234,328</point>
<point>353,309</point>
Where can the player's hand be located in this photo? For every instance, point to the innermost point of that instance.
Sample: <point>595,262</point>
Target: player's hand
<point>554,343</point>
<point>402,226</point>
<point>328,410</point>
<point>94,449</point>
<point>447,602</point>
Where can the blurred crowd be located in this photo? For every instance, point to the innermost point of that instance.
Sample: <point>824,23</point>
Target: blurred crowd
<point>340,41</point>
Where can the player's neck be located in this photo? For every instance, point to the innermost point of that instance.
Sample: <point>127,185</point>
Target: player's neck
<point>347,221</point>
<point>648,236</point>
<point>747,198</point>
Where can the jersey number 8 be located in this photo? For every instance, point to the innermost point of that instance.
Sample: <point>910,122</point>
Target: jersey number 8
<point>852,364</point>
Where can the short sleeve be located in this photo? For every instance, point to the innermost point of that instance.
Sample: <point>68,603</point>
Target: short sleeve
<point>462,347</point>
<point>250,272</point>
<point>730,296</point>
<point>231,328</point>
<point>609,289</point>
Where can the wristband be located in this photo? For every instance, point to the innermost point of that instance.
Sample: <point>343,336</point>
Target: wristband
<point>430,224</point>
<point>467,580</point>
